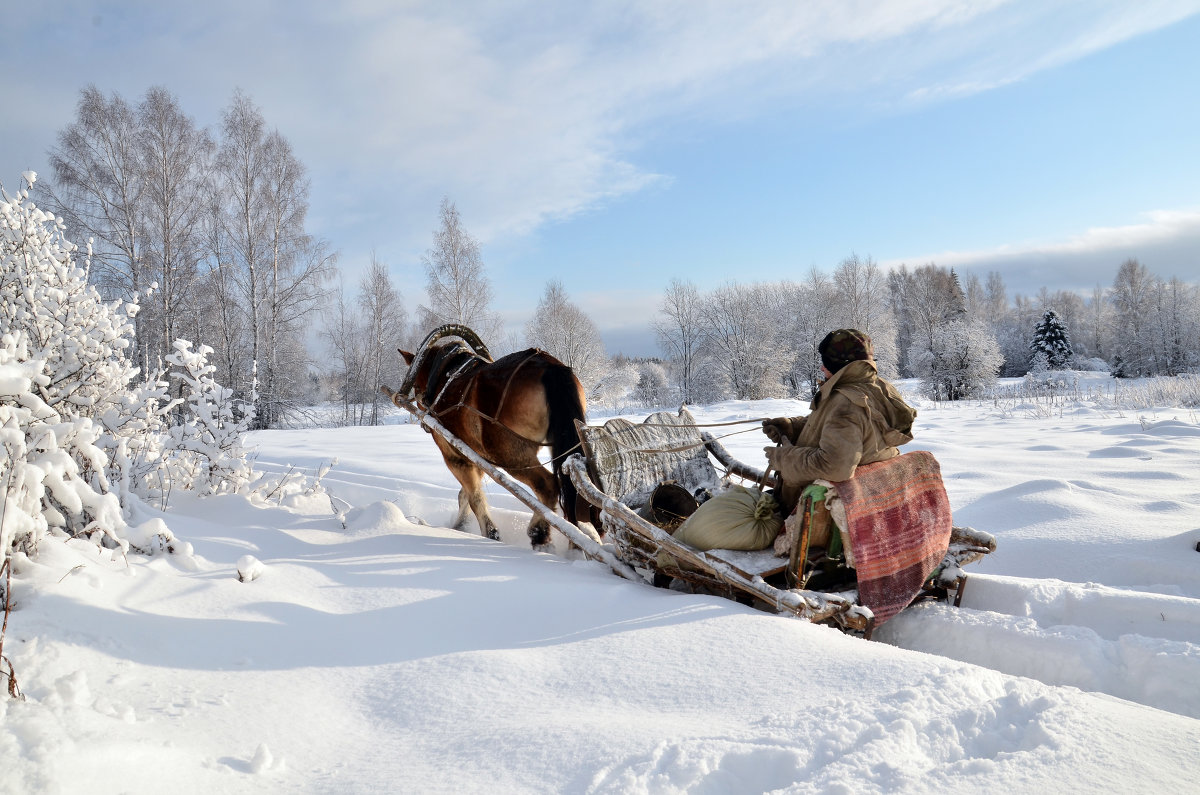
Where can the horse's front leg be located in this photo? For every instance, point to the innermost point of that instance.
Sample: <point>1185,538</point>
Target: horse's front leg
<point>464,509</point>
<point>472,497</point>
<point>477,502</point>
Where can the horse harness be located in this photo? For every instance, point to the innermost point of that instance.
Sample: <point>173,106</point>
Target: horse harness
<point>458,360</point>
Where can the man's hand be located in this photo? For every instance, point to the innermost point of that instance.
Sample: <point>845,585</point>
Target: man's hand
<point>778,429</point>
<point>775,454</point>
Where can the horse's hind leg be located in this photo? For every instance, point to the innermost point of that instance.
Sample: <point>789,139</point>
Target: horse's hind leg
<point>546,489</point>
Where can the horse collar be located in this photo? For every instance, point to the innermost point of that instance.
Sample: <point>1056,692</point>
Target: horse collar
<point>450,360</point>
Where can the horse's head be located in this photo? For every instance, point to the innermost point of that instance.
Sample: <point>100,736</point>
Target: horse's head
<point>428,363</point>
<point>432,366</point>
<point>417,377</point>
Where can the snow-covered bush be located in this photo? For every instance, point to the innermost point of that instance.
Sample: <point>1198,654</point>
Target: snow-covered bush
<point>206,450</point>
<point>1092,365</point>
<point>82,441</point>
<point>63,388</point>
<point>652,388</point>
<point>964,361</point>
<point>612,389</point>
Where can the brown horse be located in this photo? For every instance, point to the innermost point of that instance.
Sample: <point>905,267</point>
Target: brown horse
<point>506,411</point>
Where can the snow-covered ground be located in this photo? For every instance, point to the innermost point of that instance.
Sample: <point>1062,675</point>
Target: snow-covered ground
<point>393,654</point>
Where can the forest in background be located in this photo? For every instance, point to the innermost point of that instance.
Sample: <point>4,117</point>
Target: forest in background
<point>205,232</point>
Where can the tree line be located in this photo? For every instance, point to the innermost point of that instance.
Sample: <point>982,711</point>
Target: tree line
<point>206,232</point>
<point>759,340</point>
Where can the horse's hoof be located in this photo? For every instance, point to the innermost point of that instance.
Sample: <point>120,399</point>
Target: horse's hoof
<point>539,537</point>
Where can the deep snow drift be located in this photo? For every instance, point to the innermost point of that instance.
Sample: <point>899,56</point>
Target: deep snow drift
<point>380,651</point>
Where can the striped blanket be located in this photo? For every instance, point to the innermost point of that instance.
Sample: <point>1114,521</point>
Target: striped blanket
<point>898,519</point>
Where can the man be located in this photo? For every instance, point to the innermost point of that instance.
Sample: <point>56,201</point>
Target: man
<point>857,418</point>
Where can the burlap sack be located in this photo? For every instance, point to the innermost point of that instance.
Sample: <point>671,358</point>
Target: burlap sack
<point>737,518</point>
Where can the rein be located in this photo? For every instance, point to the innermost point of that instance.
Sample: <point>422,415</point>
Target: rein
<point>683,447</point>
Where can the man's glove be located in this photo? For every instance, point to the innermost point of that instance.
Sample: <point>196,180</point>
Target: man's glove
<point>775,455</point>
<point>778,429</point>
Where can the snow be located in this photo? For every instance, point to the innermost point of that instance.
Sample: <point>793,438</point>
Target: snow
<point>375,649</point>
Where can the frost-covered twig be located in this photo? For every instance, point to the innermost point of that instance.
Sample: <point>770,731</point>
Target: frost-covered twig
<point>13,690</point>
<point>279,485</point>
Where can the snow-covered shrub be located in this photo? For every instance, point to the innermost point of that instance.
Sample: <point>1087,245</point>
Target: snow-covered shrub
<point>652,388</point>
<point>63,377</point>
<point>1092,365</point>
<point>79,443</point>
<point>613,388</point>
<point>206,450</point>
<point>964,361</point>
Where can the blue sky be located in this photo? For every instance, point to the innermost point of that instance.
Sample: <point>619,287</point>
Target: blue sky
<point>617,145</point>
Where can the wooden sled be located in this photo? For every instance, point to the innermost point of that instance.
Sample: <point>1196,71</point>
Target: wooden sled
<point>625,464</point>
<point>621,467</point>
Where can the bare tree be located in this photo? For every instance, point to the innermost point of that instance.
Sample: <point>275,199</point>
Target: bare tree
<point>740,341</point>
<point>385,320</point>
<point>562,329</point>
<point>861,291</point>
<point>679,334</point>
<point>176,158</point>
<point>924,300</point>
<point>457,287</point>
<point>1093,327</point>
<point>1176,326</point>
<point>277,269</point>
<point>996,302</point>
<point>862,303</point>
<point>816,316</point>
<point>97,189</point>
<point>240,170</point>
<point>1132,297</point>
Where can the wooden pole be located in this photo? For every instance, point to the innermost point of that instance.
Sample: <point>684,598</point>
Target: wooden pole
<point>590,546</point>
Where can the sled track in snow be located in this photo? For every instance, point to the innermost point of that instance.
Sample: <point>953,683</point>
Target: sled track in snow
<point>1135,645</point>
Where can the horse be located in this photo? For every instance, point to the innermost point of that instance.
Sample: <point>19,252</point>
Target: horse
<point>506,411</point>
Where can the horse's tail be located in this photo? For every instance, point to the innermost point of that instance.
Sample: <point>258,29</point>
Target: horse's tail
<point>564,398</point>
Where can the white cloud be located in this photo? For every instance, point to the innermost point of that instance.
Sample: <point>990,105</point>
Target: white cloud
<point>524,112</point>
<point>532,111</point>
<point>1166,241</point>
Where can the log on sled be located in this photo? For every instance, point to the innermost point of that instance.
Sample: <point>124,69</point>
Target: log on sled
<point>625,465</point>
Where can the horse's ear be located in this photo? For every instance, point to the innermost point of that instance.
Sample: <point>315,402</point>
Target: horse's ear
<point>408,357</point>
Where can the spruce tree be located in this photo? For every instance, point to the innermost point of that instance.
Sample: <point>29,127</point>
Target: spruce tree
<point>1052,339</point>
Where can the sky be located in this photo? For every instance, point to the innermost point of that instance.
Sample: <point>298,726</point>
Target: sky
<point>615,146</point>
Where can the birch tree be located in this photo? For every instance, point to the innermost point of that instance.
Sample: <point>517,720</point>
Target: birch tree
<point>176,161</point>
<point>738,339</point>
<point>97,189</point>
<point>1132,295</point>
<point>264,258</point>
<point>563,330</point>
<point>457,287</point>
<point>862,303</point>
<point>385,320</point>
<point>679,335</point>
